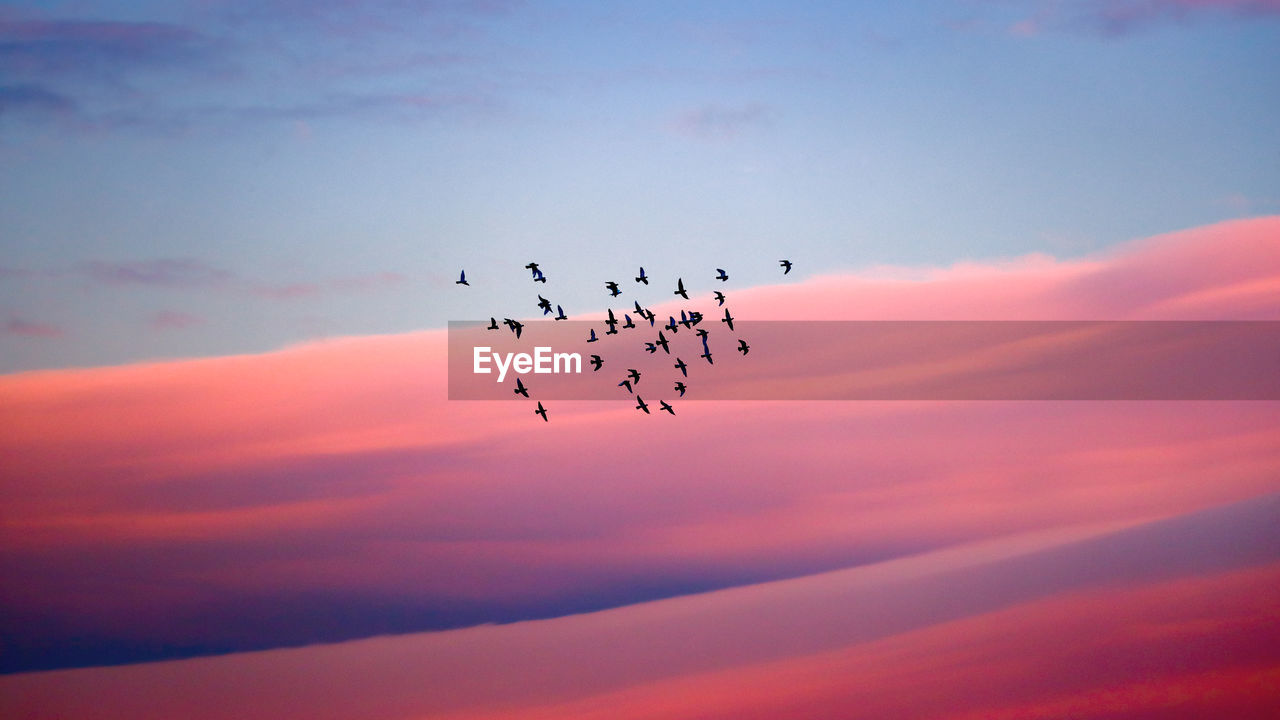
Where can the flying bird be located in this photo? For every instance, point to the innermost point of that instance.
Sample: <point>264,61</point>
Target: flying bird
<point>640,405</point>
<point>612,322</point>
<point>545,304</point>
<point>462,279</point>
<point>516,327</point>
<point>667,407</point>
<point>541,411</point>
<point>786,266</point>
<point>538,276</point>
<point>532,266</point>
<point>682,367</point>
<point>650,348</point>
<point>643,278</point>
<point>628,324</point>
<point>626,384</point>
<point>672,326</point>
<point>596,362</point>
<point>722,276</point>
<point>719,298</point>
<point>727,318</point>
<point>707,355</point>
<point>593,337</point>
<point>680,388</point>
<point>685,321</point>
<point>613,288</point>
<point>695,317</point>
<point>680,289</point>
<point>493,323</point>
<point>662,340</point>
<point>648,315</point>
<point>520,388</point>
<point>743,347</point>
<point>561,315</point>
<point>634,375</point>
<point>702,333</point>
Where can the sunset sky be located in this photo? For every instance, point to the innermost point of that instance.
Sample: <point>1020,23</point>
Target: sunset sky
<point>233,482</point>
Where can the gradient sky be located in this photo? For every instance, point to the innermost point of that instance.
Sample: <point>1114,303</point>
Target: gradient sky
<point>205,178</point>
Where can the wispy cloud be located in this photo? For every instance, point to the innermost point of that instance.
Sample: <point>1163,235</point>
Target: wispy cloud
<point>26,328</point>
<point>722,121</point>
<point>1122,17</point>
<point>163,272</point>
<point>174,320</point>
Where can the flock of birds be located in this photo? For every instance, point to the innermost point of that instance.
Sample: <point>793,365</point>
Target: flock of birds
<point>689,319</point>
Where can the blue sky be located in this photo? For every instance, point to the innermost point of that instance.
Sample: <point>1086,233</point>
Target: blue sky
<point>208,178</point>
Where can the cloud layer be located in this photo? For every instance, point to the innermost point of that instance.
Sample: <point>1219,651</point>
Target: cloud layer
<point>330,491</point>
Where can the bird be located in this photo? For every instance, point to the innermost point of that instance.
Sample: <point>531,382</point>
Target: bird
<point>680,289</point>
<point>662,340</point>
<point>682,367</point>
<point>538,276</point>
<point>541,411</point>
<point>650,348</point>
<point>596,362</point>
<point>680,388</point>
<point>719,298</point>
<point>626,384</point>
<point>672,326</point>
<point>520,388</point>
<point>743,347</point>
<point>634,375</point>
<point>727,318</point>
<point>648,315</point>
<point>722,276</point>
<point>786,266</point>
<point>545,304</point>
<point>667,407</point>
<point>685,321</point>
<point>612,322</point>
<point>643,278</point>
<point>613,288</point>
<point>695,317</point>
<point>493,323</point>
<point>593,337</point>
<point>561,315</point>
<point>532,266</point>
<point>516,327</point>
<point>707,355</point>
<point>462,279</point>
<point>702,333</point>
<point>628,324</point>
<point>640,405</point>
<point>639,310</point>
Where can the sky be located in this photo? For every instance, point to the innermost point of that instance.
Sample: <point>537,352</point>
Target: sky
<point>206,178</point>
<point>236,482</point>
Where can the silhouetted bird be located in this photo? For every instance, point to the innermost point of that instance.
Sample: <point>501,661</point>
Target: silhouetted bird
<point>560,313</point>
<point>707,355</point>
<point>613,288</point>
<point>743,347</point>
<point>520,388</point>
<point>648,315</point>
<point>593,336</point>
<point>516,327</point>
<point>612,322</point>
<point>695,317</point>
<point>722,276</point>
<point>597,362</point>
<point>493,323</point>
<point>727,318</point>
<point>667,407</point>
<point>539,277</point>
<point>541,411</point>
<point>682,367</point>
<point>641,406</point>
<point>786,266</point>
<point>662,340</point>
<point>545,304</point>
<point>680,289</point>
<point>462,279</point>
<point>684,320</point>
<point>702,333</point>
<point>643,278</point>
<point>626,384</point>
<point>634,375</point>
<point>672,326</point>
<point>680,388</point>
<point>650,348</point>
<point>719,298</point>
<point>628,324</point>
<point>533,266</point>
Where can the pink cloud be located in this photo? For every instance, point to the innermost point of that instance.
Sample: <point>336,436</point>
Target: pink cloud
<point>26,328</point>
<point>180,504</point>
<point>174,320</point>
